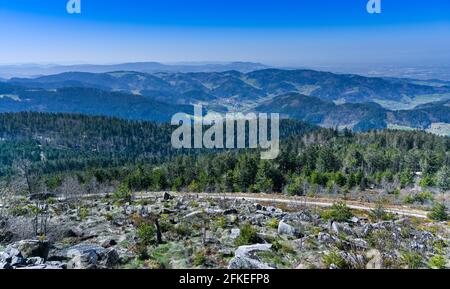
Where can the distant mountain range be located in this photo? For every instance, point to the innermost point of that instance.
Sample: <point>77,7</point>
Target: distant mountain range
<point>27,70</point>
<point>355,116</point>
<point>85,100</point>
<point>327,99</point>
<point>238,88</point>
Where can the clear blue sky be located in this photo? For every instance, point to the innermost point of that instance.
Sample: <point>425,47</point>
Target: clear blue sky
<point>283,32</point>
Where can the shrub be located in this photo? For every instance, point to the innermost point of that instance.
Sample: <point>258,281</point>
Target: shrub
<point>123,193</point>
<point>18,211</point>
<point>420,198</point>
<point>146,233</point>
<point>83,213</point>
<point>221,222</point>
<point>248,236</point>
<point>437,262</point>
<point>296,187</point>
<point>382,240</point>
<point>54,182</point>
<point>199,258</point>
<point>439,212</point>
<point>426,181</point>
<point>334,258</point>
<point>279,246</point>
<point>412,260</point>
<point>182,229</point>
<point>338,212</point>
<point>141,251</point>
<point>273,223</point>
<point>379,214</point>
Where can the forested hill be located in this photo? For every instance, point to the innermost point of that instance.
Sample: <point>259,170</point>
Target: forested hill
<point>61,142</point>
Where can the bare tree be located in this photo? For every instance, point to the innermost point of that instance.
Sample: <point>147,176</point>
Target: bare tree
<point>23,169</point>
<point>72,191</point>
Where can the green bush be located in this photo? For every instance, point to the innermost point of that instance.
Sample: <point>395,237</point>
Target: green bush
<point>123,193</point>
<point>420,198</point>
<point>221,222</point>
<point>83,213</point>
<point>18,211</point>
<point>439,212</point>
<point>199,259</point>
<point>427,181</point>
<point>273,223</point>
<point>338,212</point>
<point>412,260</point>
<point>334,258</point>
<point>146,233</point>
<point>248,236</point>
<point>182,229</point>
<point>296,187</point>
<point>437,262</point>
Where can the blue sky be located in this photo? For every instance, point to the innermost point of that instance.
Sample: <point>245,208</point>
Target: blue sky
<point>283,32</point>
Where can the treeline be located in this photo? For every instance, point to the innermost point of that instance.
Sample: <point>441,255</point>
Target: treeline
<point>322,160</point>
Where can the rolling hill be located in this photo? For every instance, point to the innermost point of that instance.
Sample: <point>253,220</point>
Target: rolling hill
<point>237,88</point>
<point>90,101</point>
<point>356,116</point>
<point>322,98</point>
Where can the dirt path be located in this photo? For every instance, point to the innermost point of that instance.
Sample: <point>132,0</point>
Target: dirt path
<point>318,202</point>
<point>401,211</point>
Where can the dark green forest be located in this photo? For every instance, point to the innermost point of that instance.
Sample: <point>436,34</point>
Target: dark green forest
<point>138,156</point>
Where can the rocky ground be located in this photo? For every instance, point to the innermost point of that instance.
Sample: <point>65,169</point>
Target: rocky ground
<point>181,232</point>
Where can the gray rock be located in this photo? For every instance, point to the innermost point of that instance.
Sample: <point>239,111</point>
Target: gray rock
<point>375,259</point>
<point>46,266</point>
<point>360,244</point>
<point>259,207</point>
<point>274,210</point>
<point>83,249</point>
<point>353,260</point>
<point>246,263</point>
<point>5,266</point>
<point>226,252</point>
<point>108,242</point>
<point>354,220</point>
<point>86,260</point>
<point>11,251</point>
<point>326,238</point>
<point>18,261</point>
<point>90,256</point>
<point>231,212</point>
<point>167,196</point>
<point>4,257</point>
<point>35,261</point>
<point>339,228</point>
<point>109,258</point>
<point>258,218</point>
<point>129,210</point>
<point>74,232</point>
<point>286,229</point>
<point>244,257</point>
<point>366,230</point>
<point>33,248</point>
<point>245,251</point>
<point>235,233</point>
